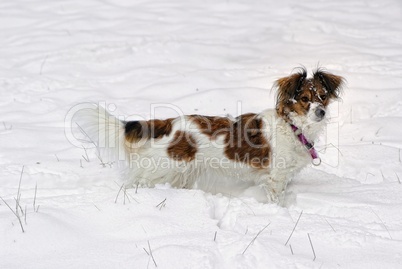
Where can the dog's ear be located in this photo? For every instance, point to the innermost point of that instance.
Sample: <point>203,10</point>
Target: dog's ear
<point>332,83</point>
<point>288,87</point>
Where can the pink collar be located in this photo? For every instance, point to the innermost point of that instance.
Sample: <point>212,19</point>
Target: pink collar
<point>309,146</point>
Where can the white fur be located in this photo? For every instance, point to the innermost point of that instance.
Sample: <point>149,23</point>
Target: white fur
<point>148,162</point>
<point>289,155</point>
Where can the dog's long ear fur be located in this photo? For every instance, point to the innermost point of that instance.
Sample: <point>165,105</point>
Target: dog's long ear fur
<point>332,83</point>
<point>288,88</point>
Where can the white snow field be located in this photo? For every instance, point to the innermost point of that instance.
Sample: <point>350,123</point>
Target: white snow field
<point>150,58</point>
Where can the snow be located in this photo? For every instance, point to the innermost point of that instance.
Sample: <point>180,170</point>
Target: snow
<point>149,59</point>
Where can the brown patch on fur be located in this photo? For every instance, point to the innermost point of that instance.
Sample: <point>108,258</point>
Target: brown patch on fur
<point>332,83</point>
<point>246,142</point>
<point>212,126</point>
<point>136,130</point>
<point>287,88</point>
<point>183,147</point>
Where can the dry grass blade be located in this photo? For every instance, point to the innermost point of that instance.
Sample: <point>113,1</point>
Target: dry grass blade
<point>150,254</point>
<point>136,188</point>
<point>383,177</point>
<point>124,196</point>
<point>92,142</point>
<point>86,158</point>
<point>34,201</point>
<point>7,128</point>
<point>42,65</point>
<point>19,206</point>
<point>19,191</point>
<point>383,224</point>
<point>294,228</point>
<point>255,237</point>
<point>161,204</point>
<point>117,196</point>
<point>126,193</point>
<point>129,195</point>
<point>329,224</point>
<point>398,178</point>
<point>25,215</point>
<point>312,247</point>
<point>15,213</point>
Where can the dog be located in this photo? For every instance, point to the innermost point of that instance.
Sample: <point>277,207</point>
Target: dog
<point>261,153</point>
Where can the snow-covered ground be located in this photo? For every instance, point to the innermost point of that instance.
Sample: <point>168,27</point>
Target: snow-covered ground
<point>214,57</point>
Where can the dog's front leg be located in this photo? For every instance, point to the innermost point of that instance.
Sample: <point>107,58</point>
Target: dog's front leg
<point>275,189</point>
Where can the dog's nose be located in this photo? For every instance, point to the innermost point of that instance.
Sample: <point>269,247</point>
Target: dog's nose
<point>320,113</point>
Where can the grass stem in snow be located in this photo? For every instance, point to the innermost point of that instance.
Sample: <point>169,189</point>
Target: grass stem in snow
<point>42,65</point>
<point>19,206</point>
<point>398,178</point>
<point>129,195</point>
<point>383,224</point>
<point>136,188</point>
<point>382,174</point>
<point>161,204</point>
<point>255,237</point>
<point>25,215</point>
<point>18,192</point>
<point>150,253</point>
<point>34,201</point>
<point>312,247</point>
<point>86,158</point>
<point>294,228</point>
<point>15,213</point>
<point>117,196</point>
<point>329,224</point>
<point>7,128</point>
<point>371,174</point>
<point>124,196</point>
<point>92,142</point>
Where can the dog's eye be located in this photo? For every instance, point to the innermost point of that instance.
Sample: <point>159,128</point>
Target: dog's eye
<point>304,99</point>
<point>323,97</point>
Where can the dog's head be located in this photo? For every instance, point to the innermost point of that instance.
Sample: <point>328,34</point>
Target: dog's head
<point>299,97</point>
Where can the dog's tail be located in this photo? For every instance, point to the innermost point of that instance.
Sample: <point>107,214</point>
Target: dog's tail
<point>97,128</point>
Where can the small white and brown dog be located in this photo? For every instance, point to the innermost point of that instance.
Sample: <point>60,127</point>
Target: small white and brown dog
<point>257,153</point>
